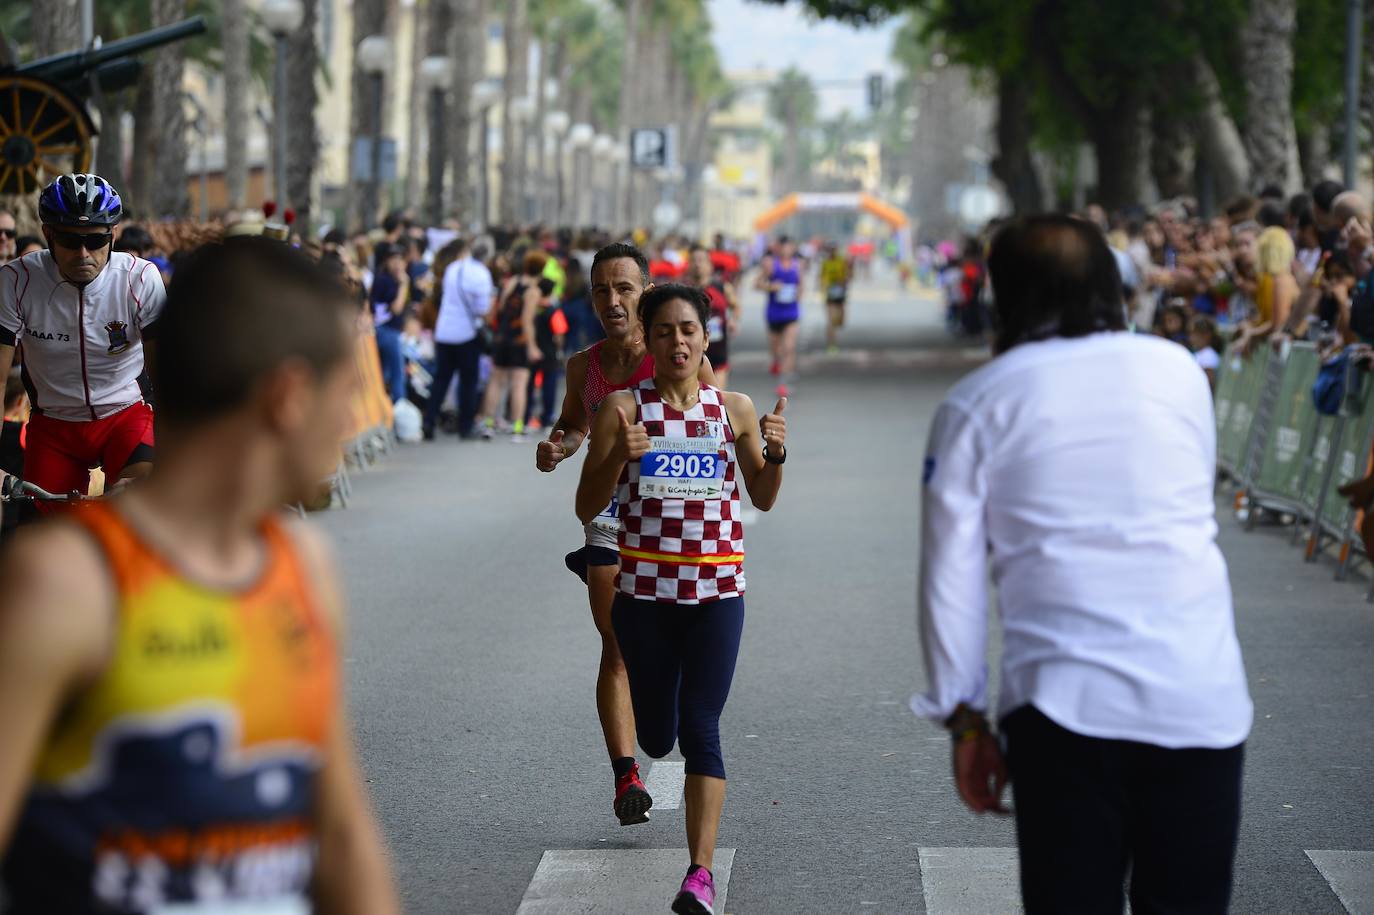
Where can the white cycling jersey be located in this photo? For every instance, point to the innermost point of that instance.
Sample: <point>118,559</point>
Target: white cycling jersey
<point>83,347</point>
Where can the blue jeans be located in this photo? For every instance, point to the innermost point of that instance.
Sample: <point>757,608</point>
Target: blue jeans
<point>393,361</point>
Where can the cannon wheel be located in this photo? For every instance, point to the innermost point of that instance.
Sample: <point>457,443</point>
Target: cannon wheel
<point>44,132</point>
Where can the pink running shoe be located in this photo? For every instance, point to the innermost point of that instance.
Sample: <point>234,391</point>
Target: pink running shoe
<point>698,894</point>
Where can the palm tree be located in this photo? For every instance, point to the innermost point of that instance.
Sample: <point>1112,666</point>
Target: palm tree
<point>467,49</point>
<point>793,103</point>
<point>55,26</point>
<point>167,194</point>
<point>302,137</point>
<point>235,29</point>
<point>1270,137</point>
<point>513,134</point>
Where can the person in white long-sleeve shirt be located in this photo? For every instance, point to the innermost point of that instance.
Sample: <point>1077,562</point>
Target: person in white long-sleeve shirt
<point>1079,465</point>
<point>465,299</point>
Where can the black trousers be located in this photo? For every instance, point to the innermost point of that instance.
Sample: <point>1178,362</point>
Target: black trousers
<point>464,359</point>
<point>1091,811</point>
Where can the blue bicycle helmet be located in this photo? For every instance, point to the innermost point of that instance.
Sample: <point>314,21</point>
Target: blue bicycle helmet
<point>80,200</point>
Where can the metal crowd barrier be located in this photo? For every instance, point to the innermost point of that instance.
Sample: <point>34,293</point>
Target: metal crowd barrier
<point>1287,458</point>
<point>371,435</point>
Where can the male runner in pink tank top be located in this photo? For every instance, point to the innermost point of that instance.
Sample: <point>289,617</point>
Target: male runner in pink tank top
<point>619,275</point>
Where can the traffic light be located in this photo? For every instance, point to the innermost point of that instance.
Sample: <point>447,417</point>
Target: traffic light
<point>875,91</point>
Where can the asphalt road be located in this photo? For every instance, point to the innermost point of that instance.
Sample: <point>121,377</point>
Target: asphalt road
<point>472,661</point>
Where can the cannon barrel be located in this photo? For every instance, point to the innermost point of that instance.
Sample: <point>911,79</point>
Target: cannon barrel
<point>75,65</point>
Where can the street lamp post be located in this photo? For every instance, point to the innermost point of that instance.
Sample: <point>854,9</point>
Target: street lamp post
<point>556,122</point>
<point>599,178</point>
<point>521,110</point>
<point>485,95</point>
<point>580,137</point>
<point>201,128</point>
<point>374,58</point>
<point>437,73</point>
<point>282,18</point>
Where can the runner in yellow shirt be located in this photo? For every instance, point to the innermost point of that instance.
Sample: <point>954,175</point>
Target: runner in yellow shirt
<point>836,272</point>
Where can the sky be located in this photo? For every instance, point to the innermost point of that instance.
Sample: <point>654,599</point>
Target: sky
<point>748,34</point>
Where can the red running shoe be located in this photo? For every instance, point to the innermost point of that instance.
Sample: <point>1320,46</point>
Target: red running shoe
<point>632,801</point>
<point>775,368</point>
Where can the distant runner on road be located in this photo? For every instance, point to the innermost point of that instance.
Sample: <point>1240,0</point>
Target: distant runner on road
<point>836,274</point>
<point>781,277</point>
<point>674,451</point>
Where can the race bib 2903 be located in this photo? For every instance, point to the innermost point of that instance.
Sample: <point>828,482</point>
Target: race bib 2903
<point>682,468</point>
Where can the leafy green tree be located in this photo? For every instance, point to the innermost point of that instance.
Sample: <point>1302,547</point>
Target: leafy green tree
<point>793,103</point>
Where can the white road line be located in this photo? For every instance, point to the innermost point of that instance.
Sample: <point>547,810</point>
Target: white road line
<point>1350,874</point>
<point>970,881</point>
<point>627,881</point>
<point>665,782</point>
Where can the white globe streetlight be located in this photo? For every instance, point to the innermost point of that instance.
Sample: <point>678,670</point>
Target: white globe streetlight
<point>374,55</point>
<point>581,135</point>
<point>556,122</point>
<point>486,93</point>
<point>282,17</point>
<point>603,144</point>
<point>522,108</point>
<point>436,72</point>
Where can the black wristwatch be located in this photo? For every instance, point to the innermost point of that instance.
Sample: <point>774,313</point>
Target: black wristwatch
<point>775,460</point>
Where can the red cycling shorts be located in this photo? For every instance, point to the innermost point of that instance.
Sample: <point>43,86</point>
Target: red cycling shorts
<point>59,455</point>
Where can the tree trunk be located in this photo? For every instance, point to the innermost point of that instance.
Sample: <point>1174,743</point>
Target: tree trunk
<point>55,26</point>
<point>140,163</point>
<point>109,151</point>
<point>169,194</point>
<point>1119,146</point>
<point>234,23</point>
<point>634,13</point>
<point>467,44</point>
<point>302,137</point>
<point>418,104</point>
<point>1314,151</point>
<point>1270,140</point>
<point>1171,154</point>
<point>440,18</point>
<point>1013,165</point>
<point>1220,149</point>
<point>538,184</point>
<point>517,84</point>
<point>369,18</point>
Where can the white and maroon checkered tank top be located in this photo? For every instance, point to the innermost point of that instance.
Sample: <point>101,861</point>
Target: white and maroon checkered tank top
<point>682,550</point>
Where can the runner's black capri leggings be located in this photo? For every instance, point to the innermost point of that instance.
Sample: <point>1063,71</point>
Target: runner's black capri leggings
<point>680,659</point>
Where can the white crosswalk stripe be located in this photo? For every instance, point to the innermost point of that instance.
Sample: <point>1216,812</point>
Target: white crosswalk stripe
<point>1350,874</point>
<point>629,881</point>
<point>665,782</point>
<point>970,881</point>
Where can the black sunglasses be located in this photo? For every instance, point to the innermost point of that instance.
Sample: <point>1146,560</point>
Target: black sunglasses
<point>75,240</point>
<point>8,233</point>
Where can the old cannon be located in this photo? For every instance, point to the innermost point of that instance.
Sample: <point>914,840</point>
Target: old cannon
<point>45,129</point>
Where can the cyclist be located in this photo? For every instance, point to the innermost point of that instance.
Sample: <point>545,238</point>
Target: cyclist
<point>781,277</point>
<point>674,451</point>
<point>620,274</point>
<point>170,657</point>
<point>84,318</point>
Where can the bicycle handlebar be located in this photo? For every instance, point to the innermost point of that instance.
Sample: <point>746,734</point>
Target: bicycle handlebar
<point>15,490</point>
